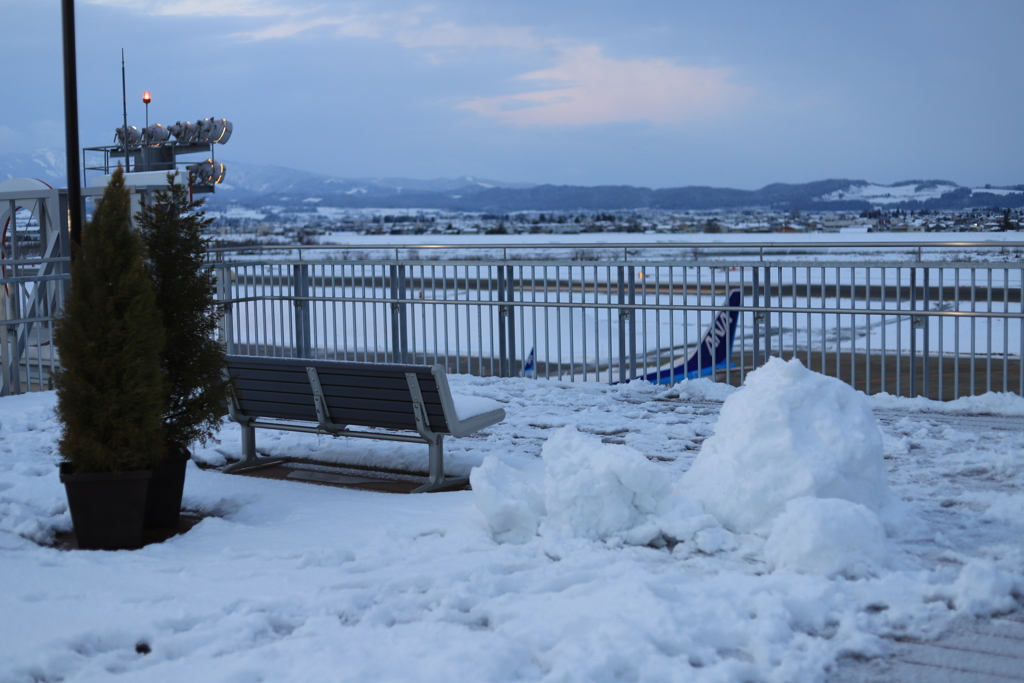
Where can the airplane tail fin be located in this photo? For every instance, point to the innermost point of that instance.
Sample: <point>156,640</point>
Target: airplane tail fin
<point>529,368</point>
<point>713,351</point>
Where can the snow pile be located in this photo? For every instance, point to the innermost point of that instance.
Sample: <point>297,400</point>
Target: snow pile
<point>789,433</point>
<point>796,456</point>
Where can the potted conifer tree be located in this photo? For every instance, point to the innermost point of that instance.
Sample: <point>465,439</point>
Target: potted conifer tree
<point>110,388</point>
<point>171,227</point>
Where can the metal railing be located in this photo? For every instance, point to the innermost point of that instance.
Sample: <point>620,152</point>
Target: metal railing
<point>907,324</point>
<point>29,303</point>
<point>940,320</point>
<point>34,276</point>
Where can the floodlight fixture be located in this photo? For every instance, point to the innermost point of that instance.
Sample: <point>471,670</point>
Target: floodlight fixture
<point>128,135</point>
<point>207,172</point>
<point>184,131</point>
<point>215,130</point>
<point>155,134</point>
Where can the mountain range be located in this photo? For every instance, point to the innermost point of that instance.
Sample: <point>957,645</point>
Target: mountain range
<point>258,185</point>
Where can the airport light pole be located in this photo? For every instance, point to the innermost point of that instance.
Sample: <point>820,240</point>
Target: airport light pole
<point>74,172</point>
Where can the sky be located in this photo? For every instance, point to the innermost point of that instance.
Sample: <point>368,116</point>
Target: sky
<point>737,93</point>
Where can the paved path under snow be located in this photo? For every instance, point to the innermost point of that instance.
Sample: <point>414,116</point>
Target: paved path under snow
<point>990,651</point>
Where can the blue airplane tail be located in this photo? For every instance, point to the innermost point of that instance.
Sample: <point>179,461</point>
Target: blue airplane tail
<point>529,368</point>
<point>711,354</point>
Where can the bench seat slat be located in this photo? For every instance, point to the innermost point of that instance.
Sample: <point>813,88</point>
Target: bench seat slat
<point>298,374</point>
<point>340,381</point>
<point>279,411</point>
<point>258,386</point>
<point>391,420</point>
<point>372,414</point>
<point>347,368</point>
<point>375,399</point>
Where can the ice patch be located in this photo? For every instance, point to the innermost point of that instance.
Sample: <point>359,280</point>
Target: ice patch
<point>788,433</point>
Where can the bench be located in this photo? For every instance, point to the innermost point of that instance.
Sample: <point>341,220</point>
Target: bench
<point>290,393</point>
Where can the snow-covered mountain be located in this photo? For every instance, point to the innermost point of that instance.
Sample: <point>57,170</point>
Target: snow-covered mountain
<point>48,165</point>
<point>909,190</point>
<point>256,185</point>
<point>245,180</point>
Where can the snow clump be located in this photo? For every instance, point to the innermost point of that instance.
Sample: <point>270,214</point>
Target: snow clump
<point>589,490</point>
<point>829,537</point>
<point>788,433</point>
<point>510,504</point>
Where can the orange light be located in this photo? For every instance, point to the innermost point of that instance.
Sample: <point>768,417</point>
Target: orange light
<point>146,97</point>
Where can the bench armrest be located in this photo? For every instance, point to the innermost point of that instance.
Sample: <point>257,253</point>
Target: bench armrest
<point>470,425</point>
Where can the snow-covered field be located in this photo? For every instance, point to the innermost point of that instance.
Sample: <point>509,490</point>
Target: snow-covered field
<point>699,533</point>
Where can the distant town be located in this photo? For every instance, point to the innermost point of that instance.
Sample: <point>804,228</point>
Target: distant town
<point>289,226</point>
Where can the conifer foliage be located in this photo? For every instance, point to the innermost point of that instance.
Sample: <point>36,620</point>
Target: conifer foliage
<point>171,227</point>
<point>110,389</point>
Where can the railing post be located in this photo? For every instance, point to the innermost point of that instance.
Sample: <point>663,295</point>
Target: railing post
<point>623,317</point>
<point>913,332</point>
<point>300,280</point>
<point>399,325</point>
<point>632,322</point>
<point>227,315</point>
<point>510,297</point>
<point>758,316</point>
<point>5,373</point>
<point>502,316</point>
<point>925,374</point>
<point>767,314</point>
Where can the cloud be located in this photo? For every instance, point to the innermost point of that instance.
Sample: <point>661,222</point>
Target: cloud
<point>587,88</point>
<point>219,8</point>
<point>451,35</point>
<point>411,28</point>
<point>583,88</point>
<point>349,27</point>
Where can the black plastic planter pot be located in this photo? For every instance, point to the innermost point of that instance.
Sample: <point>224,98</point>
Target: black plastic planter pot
<point>107,510</point>
<point>163,504</point>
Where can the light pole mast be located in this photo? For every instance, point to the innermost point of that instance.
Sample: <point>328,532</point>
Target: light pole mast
<point>124,104</point>
<point>71,123</point>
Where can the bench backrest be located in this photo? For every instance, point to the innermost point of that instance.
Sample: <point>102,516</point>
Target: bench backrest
<point>365,394</point>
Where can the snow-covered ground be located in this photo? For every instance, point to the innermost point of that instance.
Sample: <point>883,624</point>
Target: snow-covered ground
<point>699,533</point>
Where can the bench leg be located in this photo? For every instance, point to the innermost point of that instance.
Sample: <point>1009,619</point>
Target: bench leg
<point>437,479</point>
<point>249,458</point>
